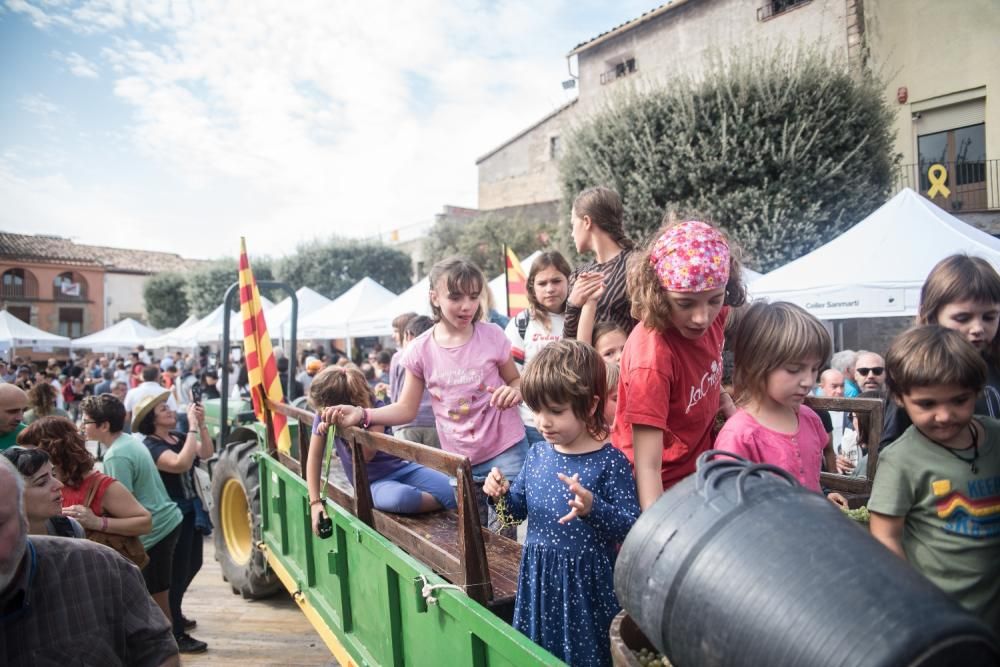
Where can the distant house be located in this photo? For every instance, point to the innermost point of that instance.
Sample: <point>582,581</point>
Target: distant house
<point>74,289</point>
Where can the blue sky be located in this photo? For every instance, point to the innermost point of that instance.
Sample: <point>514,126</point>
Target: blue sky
<point>181,126</point>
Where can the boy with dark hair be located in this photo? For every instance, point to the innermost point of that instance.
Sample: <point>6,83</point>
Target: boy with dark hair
<point>936,496</point>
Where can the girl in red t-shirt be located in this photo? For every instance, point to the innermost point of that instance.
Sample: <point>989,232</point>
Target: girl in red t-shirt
<point>671,367</point>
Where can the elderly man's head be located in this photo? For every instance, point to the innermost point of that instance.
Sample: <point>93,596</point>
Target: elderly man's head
<point>13,403</point>
<point>13,523</point>
<point>831,383</point>
<point>869,371</point>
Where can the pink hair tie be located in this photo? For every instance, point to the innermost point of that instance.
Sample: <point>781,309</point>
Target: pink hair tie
<point>691,257</point>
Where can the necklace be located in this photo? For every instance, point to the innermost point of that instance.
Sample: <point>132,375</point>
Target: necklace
<point>974,447</point>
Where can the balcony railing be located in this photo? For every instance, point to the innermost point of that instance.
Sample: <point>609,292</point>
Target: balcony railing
<point>26,291</point>
<point>955,186</point>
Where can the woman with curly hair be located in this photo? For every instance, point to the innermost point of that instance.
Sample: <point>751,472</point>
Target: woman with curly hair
<point>113,508</point>
<point>42,398</point>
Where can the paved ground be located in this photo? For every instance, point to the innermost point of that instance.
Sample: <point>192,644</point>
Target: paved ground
<point>248,633</point>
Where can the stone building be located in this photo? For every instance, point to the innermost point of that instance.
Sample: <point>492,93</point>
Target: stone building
<point>73,289</point>
<point>940,93</point>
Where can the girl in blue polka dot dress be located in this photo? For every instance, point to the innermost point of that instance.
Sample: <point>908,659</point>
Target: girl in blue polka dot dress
<point>579,496</point>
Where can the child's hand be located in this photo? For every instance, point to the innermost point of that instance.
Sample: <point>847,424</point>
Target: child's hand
<point>495,485</point>
<point>587,283</point>
<point>317,513</point>
<point>837,499</point>
<point>343,415</point>
<point>844,465</point>
<point>504,397</point>
<point>582,501</point>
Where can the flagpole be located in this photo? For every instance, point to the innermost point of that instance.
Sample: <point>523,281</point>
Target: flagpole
<point>506,279</point>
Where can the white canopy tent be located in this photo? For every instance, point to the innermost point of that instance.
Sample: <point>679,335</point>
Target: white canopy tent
<point>208,330</point>
<point>15,333</point>
<point>173,338</point>
<point>334,320</point>
<point>877,267</point>
<point>415,300</point>
<point>279,318</point>
<point>124,335</point>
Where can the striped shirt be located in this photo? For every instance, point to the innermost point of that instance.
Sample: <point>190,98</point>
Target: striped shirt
<point>614,305</point>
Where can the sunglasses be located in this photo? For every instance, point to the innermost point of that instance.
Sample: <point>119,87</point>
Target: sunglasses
<point>876,371</point>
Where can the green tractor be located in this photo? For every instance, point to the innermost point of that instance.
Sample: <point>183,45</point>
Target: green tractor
<point>239,439</point>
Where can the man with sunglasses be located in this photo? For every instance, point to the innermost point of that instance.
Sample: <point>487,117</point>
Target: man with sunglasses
<point>13,403</point>
<point>869,371</point>
<point>71,601</point>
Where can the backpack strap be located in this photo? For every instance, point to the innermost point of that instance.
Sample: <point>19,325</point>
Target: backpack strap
<point>522,320</point>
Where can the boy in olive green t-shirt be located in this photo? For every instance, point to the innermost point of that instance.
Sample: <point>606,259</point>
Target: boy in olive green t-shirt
<point>936,495</point>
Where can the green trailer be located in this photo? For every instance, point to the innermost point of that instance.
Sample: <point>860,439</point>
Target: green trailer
<point>384,589</point>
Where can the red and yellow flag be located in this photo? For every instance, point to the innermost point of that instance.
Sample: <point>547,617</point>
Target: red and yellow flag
<point>262,368</point>
<point>517,284</point>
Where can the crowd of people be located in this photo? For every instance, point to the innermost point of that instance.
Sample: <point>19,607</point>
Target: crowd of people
<point>577,414</point>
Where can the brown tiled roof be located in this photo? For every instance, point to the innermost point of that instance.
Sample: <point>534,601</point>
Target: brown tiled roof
<point>43,248</point>
<point>624,27</point>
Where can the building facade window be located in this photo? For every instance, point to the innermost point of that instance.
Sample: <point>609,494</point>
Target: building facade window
<point>71,322</point>
<point>69,286</point>
<point>962,153</point>
<point>555,148</point>
<point>18,284</point>
<point>619,70</point>
<point>774,7</point>
<point>22,313</point>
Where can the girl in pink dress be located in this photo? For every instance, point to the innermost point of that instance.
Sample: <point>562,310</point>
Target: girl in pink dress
<point>778,351</point>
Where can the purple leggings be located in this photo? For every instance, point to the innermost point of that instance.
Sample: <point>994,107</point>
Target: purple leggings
<point>399,492</point>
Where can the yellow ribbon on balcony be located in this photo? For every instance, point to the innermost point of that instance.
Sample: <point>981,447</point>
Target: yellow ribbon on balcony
<point>937,174</point>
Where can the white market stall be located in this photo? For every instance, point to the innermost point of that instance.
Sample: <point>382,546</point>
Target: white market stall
<point>335,319</point>
<point>124,335</point>
<point>173,338</point>
<point>416,300</point>
<point>15,333</point>
<point>279,318</point>
<point>877,267</point>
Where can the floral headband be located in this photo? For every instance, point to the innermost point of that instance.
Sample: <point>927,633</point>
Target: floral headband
<point>691,257</point>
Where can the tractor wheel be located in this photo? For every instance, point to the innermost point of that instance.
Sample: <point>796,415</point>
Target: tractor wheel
<point>236,515</point>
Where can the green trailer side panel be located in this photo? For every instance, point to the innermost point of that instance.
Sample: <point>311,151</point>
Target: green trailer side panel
<point>369,592</point>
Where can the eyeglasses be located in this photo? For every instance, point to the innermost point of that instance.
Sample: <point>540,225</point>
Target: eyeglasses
<point>876,371</point>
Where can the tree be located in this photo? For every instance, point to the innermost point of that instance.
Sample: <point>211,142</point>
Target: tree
<point>333,267</point>
<point>165,299</point>
<point>482,239</point>
<point>206,287</point>
<point>784,151</point>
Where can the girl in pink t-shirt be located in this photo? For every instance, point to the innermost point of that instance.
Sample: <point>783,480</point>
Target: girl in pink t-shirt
<point>467,368</point>
<point>778,350</point>
<point>671,366</point>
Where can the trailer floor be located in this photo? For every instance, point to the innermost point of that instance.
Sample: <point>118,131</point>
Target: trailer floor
<point>248,633</point>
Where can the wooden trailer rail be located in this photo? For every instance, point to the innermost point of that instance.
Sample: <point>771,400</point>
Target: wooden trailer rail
<point>453,543</point>
<point>852,487</point>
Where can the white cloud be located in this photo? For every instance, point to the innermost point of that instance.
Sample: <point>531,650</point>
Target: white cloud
<point>79,65</point>
<point>308,118</point>
<point>37,104</point>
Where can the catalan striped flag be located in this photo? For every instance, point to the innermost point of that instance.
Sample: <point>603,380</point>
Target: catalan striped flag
<point>517,284</point>
<point>262,368</point>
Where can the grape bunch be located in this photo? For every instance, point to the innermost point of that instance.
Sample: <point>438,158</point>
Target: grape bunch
<point>860,515</point>
<point>504,518</point>
<point>650,658</point>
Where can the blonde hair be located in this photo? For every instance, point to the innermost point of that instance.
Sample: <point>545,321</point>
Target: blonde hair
<point>955,279</point>
<point>932,355</point>
<point>568,371</point>
<point>613,372</point>
<point>650,304</point>
<point>462,277</point>
<point>769,335</point>
<point>340,385</point>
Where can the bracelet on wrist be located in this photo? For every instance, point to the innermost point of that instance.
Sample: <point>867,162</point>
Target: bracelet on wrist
<point>317,501</point>
<point>366,418</point>
<point>104,524</point>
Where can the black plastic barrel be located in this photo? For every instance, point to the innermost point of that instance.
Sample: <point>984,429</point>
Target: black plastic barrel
<point>739,565</point>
